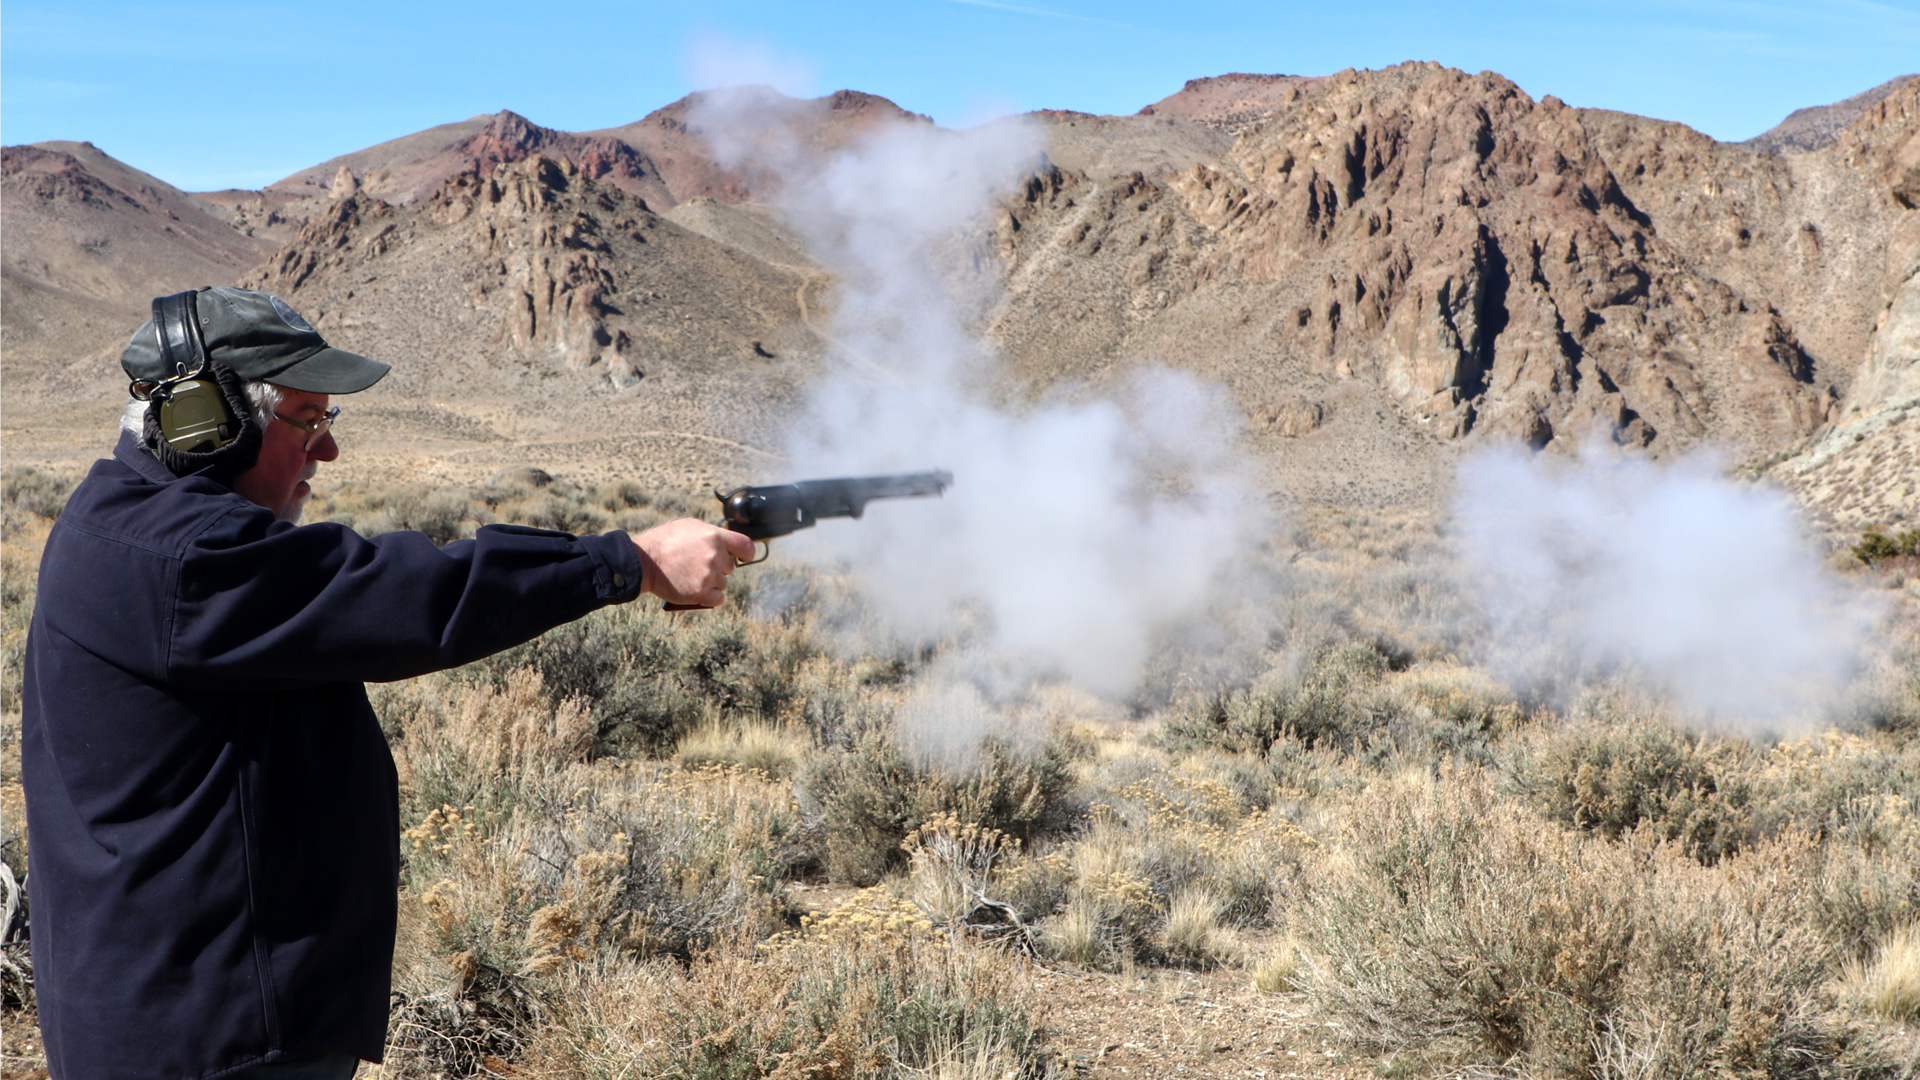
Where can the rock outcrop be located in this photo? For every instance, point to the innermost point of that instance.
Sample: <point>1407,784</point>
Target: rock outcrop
<point>1234,102</point>
<point>1863,471</point>
<point>413,168</point>
<point>537,303</point>
<point>1817,126</point>
<point>1436,235</point>
<point>554,271</point>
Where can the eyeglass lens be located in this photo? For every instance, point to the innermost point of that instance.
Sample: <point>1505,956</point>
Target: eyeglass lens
<point>322,426</point>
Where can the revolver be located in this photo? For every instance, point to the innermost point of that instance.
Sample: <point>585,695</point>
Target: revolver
<point>763,513</point>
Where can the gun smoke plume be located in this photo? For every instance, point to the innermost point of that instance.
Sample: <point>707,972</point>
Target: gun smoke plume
<point>1672,574</point>
<point>1074,528</point>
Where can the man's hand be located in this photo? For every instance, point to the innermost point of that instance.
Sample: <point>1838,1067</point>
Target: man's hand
<point>687,561</point>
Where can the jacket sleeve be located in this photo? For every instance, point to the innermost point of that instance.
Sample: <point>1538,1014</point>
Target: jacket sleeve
<point>269,605</point>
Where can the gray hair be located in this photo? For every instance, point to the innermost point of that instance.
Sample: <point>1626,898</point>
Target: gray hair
<point>264,397</point>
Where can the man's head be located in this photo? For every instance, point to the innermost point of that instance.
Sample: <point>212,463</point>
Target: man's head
<point>288,370</point>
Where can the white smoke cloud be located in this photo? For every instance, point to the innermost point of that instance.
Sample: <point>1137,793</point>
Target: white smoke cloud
<point>1705,588</point>
<point>714,60</point>
<point>1077,526</point>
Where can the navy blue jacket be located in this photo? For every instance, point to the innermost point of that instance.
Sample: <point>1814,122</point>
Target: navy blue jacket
<point>212,809</point>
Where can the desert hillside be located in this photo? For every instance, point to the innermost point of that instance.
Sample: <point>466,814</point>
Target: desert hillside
<point>1383,266</point>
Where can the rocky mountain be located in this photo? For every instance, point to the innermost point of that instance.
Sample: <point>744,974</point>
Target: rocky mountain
<point>1386,268</point>
<point>674,137</point>
<point>1495,267</point>
<point>537,306</point>
<point>1817,126</point>
<point>413,167</point>
<point>663,157</point>
<point>1864,468</point>
<point>1233,102</point>
<point>90,241</point>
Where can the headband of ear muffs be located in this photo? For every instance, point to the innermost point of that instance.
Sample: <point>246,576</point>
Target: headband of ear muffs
<point>200,421</point>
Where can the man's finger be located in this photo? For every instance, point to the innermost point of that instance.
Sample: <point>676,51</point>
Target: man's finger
<point>738,546</point>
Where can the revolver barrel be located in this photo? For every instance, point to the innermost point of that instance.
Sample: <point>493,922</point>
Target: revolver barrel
<point>762,513</point>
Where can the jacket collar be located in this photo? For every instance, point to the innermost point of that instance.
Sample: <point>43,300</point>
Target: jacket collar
<point>134,456</point>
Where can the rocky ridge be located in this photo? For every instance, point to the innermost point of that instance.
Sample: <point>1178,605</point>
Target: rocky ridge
<point>1386,268</point>
<point>410,169</point>
<point>1235,102</point>
<point>1817,126</point>
<point>548,306</point>
<point>1435,234</point>
<point>88,239</point>
<point>1863,469</point>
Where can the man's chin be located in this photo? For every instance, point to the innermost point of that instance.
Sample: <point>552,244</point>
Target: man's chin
<point>291,511</point>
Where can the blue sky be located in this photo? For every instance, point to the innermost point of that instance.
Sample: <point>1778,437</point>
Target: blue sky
<point>212,93</point>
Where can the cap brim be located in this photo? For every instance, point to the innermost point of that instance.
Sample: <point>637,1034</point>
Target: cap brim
<point>331,371</point>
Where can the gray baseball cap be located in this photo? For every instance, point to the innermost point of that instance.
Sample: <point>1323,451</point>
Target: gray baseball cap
<point>260,338</point>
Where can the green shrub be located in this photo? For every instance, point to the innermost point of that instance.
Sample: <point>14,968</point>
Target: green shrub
<point>1686,787</point>
<point>28,490</point>
<point>1451,921</point>
<point>1327,705</point>
<point>649,677</point>
<point>863,796</point>
<point>444,516</point>
<point>1875,546</point>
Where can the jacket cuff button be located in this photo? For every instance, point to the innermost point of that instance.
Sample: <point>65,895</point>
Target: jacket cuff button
<point>619,581</point>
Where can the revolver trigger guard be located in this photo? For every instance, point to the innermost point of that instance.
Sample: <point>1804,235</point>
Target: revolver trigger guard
<point>766,552</point>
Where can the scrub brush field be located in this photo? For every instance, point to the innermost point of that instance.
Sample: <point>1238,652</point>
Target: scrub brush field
<point>1319,842</point>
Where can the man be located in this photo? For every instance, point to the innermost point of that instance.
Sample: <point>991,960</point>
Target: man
<point>213,810</point>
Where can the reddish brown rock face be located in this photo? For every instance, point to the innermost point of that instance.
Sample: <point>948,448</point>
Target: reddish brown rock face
<point>1475,255</point>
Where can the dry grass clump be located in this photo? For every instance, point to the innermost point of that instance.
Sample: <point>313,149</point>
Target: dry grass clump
<point>1888,984</point>
<point>1614,777</point>
<point>523,861</point>
<point>1194,934</point>
<point>765,748</point>
<point>635,863</point>
<point>951,868</point>
<point>1277,968</point>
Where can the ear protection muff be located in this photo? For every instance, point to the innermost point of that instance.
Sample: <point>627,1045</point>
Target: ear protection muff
<point>193,414</point>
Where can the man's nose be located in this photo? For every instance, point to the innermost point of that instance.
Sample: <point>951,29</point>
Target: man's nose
<point>326,449</point>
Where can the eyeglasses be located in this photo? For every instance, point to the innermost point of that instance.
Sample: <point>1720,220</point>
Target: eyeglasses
<point>315,429</point>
